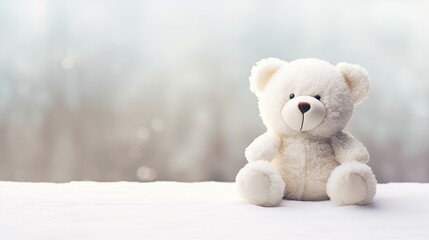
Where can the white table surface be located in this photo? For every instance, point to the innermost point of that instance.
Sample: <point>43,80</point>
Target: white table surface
<point>207,210</point>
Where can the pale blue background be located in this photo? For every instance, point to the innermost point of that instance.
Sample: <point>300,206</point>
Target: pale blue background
<point>158,90</point>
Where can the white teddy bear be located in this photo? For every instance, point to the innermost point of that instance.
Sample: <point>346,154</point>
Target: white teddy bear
<point>305,153</point>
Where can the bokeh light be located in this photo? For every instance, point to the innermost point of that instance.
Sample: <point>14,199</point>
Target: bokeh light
<point>158,90</point>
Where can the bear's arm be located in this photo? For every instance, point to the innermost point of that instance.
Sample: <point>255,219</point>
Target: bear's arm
<point>264,147</point>
<point>347,148</point>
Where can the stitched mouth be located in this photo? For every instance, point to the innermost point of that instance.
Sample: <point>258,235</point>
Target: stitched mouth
<point>302,122</point>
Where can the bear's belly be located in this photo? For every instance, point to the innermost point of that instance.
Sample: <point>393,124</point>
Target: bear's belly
<point>305,167</point>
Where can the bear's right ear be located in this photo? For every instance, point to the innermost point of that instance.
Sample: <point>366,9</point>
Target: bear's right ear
<point>261,73</point>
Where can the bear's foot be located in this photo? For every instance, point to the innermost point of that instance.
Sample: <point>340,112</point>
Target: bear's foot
<point>260,183</point>
<point>352,183</point>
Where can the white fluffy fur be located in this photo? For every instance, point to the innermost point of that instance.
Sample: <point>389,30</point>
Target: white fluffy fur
<point>348,149</point>
<point>358,80</point>
<point>260,183</point>
<point>263,147</point>
<point>262,72</point>
<point>305,160</point>
<point>343,176</point>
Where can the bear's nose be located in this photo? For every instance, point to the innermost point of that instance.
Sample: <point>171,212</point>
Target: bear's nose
<point>304,107</point>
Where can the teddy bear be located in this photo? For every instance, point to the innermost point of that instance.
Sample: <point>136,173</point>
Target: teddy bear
<point>306,154</point>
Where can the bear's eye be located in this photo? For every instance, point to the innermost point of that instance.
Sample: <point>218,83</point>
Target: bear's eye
<point>291,96</point>
<point>317,97</point>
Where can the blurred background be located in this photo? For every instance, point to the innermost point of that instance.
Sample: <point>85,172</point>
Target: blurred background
<point>158,90</point>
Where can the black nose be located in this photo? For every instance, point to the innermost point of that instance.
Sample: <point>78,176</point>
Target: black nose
<point>304,107</point>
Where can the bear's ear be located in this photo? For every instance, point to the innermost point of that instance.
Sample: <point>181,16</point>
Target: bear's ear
<point>357,80</point>
<point>261,73</point>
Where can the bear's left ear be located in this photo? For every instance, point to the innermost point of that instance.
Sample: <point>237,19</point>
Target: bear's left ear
<point>357,80</point>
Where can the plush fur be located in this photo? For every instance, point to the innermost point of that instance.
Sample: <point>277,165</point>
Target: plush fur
<point>261,184</point>
<point>305,153</point>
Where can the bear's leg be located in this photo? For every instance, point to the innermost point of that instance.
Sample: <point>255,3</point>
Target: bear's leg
<point>260,183</point>
<point>351,183</point>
